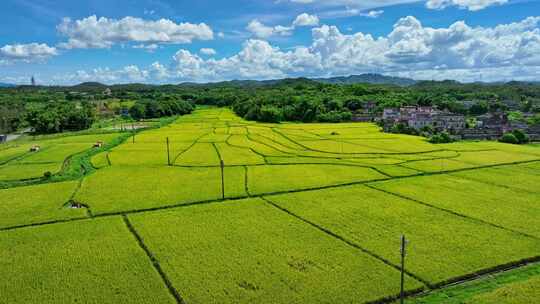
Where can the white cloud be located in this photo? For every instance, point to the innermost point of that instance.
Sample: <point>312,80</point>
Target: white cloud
<point>364,5</point>
<point>148,47</point>
<point>472,5</point>
<point>33,52</point>
<point>260,30</point>
<point>373,14</point>
<point>306,20</point>
<point>208,51</point>
<point>93,32</point>
<point>408,48</point>
<point>462,52</point>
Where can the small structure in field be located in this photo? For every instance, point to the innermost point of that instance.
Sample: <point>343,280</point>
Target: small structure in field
<point>98,144</point>
<point>35,148</point>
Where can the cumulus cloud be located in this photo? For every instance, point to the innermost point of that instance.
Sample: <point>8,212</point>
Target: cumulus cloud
<point>409,47</point>
<point>93,32</point>
<point>373,14</point>
<point>364,5</point>
<point>472,5</point>
<point>32,52</point>
<point>261,30</point>
<point>208,51</point>
<point>306,20</point>
<point>148,47</point>
<point>462,52</point>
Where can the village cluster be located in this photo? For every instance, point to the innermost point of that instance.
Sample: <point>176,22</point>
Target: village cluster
<point>489,126</point>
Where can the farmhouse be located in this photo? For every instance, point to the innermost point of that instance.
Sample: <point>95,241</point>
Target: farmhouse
<point>420,117</point>
<point>366,113</point>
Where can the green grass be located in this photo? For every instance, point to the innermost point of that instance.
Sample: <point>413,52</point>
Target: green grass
<point>510,208</point>
<point>100,160</point>
<point>94,261</point>
<point>442,246</point>
<point>117,188</point>
<point>522,292</point>
<point>518,286</point>
<point>37,204</point>
<point>250,252</point>
<point>277,178</point>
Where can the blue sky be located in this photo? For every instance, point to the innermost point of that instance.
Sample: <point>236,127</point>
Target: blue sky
<point>171,41</point>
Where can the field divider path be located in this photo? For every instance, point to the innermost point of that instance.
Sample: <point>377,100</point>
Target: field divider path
<point>344,240</point>
<point>154,261</point>
<point>452,212</point>
<point>189,147</point>
<point>487,273</point>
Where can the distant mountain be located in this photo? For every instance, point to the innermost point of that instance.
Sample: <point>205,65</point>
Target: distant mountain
<point>7,85</point>
<point>368,78</point>
<point>90,85</point>
<point>364,78</point>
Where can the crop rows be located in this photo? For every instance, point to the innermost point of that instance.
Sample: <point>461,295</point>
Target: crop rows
<point>312,213</point>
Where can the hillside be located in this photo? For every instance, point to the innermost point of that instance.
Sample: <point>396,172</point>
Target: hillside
<point>368,78</point>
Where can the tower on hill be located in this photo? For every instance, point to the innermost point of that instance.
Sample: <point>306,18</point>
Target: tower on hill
<point>33,81</point>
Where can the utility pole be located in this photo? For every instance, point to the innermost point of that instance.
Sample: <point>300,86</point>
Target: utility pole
<point>222,179</point>
<point>168,153</point>
<point>403,253</point>
<point>133,131</point>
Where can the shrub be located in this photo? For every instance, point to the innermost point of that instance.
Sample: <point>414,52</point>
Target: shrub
<point>521,136</point>
<point>47,174</point>
<point>509,138</point>
<point>270,114</point>
<point>441,138</point>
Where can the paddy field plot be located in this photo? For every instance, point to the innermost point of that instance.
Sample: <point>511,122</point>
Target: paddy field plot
<point>341,195</point>
<point>91,261</point>
<point>37,204</point>
<point>518,177</point>
<point>18,163</point>
<point>119,188</point>
<point>250,252</point>
<point>442,246</point>
<point>509,208</point>
<point>279,178</point>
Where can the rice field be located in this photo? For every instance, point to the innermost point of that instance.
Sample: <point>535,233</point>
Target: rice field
<point>299,213</point>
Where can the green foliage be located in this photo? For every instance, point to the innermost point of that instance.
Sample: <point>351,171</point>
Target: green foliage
<point>509,138</point>
<point>509,287</point>
<point>441,138</point>
<point>521,136</point>
<point>516,137</point>
<point>145,109</point>
<point>57,117</point>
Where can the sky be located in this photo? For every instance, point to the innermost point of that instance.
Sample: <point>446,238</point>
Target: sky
<point>63,42</point>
